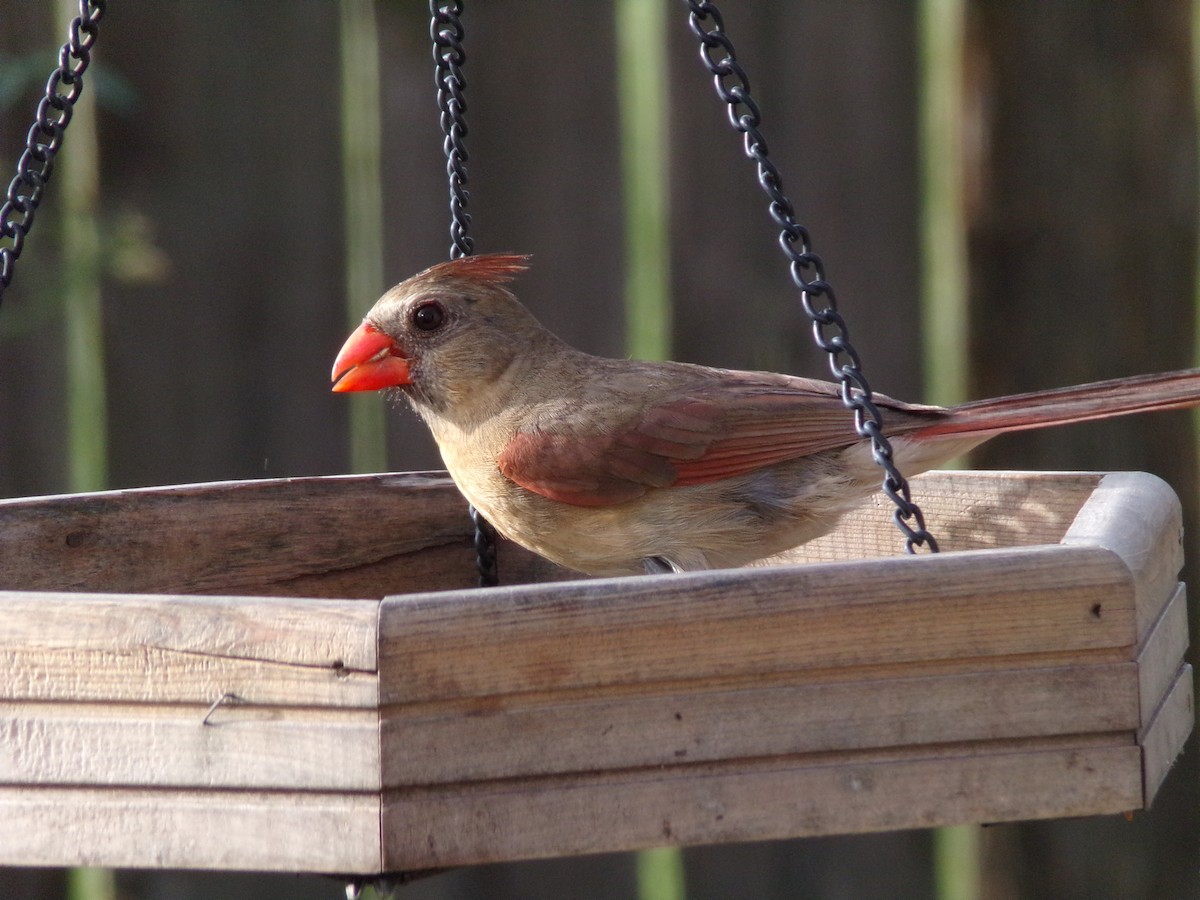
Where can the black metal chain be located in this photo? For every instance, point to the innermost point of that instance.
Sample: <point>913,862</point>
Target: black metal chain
<point>808,272</point>
<point>446,30</point>
<point>46,136</point>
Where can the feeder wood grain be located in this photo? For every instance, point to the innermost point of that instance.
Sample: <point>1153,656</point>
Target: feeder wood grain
<point>252,691</point>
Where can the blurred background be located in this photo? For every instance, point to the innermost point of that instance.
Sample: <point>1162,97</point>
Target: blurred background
<point>1005,195</point>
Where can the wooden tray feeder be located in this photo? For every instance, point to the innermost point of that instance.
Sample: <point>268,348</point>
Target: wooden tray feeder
<point>1035,671</point>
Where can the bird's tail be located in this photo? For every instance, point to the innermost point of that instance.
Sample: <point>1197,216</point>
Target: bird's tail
<point>1059,406</point>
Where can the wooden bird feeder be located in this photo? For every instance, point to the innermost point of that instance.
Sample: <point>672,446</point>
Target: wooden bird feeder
<point>217,708</point>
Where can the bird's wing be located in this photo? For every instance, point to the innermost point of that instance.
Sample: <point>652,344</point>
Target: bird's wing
<point>732,427</point>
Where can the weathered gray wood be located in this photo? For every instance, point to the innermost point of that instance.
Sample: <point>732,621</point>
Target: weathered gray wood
<point>966,510</point>
<point>242,830</point>
<point>730,623</point>
<point>1139,518</point>
<point>138,648</point>
<point>301,632</point>
<point>1161,653</point>
<point>537,720</point>
<point>678,723</point>
<point>1169,727</point>
<point>235,746</point>
<point>372,535</point>
<point>754,800</point>
<point>241,537</point>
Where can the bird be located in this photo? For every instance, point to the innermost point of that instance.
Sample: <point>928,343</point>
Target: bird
<point>616,467</point>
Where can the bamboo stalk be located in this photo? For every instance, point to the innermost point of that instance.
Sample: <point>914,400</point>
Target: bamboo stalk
<point>944,307</point>
<point>956,862</point>
<point>943,228</point>
<point>362,184</point>
<point>660,874</point>
<point>642,96</point>
<point>91,884</point>
<point>78,177</point>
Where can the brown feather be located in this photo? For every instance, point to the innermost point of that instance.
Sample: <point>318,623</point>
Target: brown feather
<point>743,422</point>
<point>1083,403</point>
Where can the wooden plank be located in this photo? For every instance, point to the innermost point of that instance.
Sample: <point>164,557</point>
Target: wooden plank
<point>302,537</point>
<point>965,510</point>
<point>300,632</point>
<point>236,536</point>
<point>295,537</point>
<point>734,705</point>
<point>667,725</point>
<point>753,800</point>
<point>138,648</point>
<point>442,567</point>
<point>233,746</point>
<point>156,676</point>
<point>1161,653</point>
<point>1138,517</point>
<point>742,622</point>
<point>162,829</point>
<point>1163,739</point>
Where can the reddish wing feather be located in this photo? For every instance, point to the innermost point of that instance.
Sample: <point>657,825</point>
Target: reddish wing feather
<point>764,427</point>
<point>740,424</point>
<point>581,471</point>
<point>1082,403</point>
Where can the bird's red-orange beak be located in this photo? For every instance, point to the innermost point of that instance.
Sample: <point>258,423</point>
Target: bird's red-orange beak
<point>368,361</point>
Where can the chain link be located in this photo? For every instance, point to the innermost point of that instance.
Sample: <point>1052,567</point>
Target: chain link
<point>45,137</point>
<point>446,30</point>
<point>807,271</point>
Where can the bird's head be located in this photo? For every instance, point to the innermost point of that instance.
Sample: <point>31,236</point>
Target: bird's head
<point>443,336</point>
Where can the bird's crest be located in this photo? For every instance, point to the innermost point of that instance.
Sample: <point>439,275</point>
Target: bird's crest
<point>488,268</point>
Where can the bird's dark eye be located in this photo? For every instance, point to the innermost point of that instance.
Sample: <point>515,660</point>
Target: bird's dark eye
<point>428,316</point>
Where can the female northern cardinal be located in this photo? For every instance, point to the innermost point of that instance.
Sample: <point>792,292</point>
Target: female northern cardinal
<point>612,466</point>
